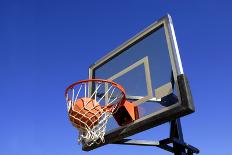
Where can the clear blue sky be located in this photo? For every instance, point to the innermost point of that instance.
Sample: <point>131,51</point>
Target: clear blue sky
<point>45,45</point>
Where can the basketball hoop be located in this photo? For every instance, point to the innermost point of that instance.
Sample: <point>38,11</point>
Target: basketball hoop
<point>90,103</point>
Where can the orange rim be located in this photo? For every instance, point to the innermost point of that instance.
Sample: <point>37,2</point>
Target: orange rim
<point>108,107</point>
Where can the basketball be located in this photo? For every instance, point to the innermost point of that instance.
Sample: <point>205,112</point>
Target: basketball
<point>85,113</point>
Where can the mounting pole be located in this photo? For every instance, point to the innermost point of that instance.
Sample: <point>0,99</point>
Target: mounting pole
<point>176,132</point>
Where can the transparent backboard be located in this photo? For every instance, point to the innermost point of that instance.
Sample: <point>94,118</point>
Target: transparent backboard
<point>147,66</point>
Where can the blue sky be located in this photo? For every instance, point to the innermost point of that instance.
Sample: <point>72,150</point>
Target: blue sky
<point>45,45</point>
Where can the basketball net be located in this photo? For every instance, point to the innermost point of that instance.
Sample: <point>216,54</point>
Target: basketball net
<point>90,104</point>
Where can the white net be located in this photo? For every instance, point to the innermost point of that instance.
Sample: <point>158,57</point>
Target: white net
<point>90,105</point>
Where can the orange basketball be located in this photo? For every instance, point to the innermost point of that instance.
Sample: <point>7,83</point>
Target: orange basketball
<point>85,112</point>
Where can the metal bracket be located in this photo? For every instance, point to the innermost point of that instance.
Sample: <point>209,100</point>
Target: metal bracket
<point>175,143</point>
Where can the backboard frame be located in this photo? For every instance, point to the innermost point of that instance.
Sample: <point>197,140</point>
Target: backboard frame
<point>185,105</point>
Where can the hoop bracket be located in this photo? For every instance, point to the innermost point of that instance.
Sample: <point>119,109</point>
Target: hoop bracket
<point>179,147</point>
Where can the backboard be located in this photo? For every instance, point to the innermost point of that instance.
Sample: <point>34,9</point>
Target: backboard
<point>149,68</point>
